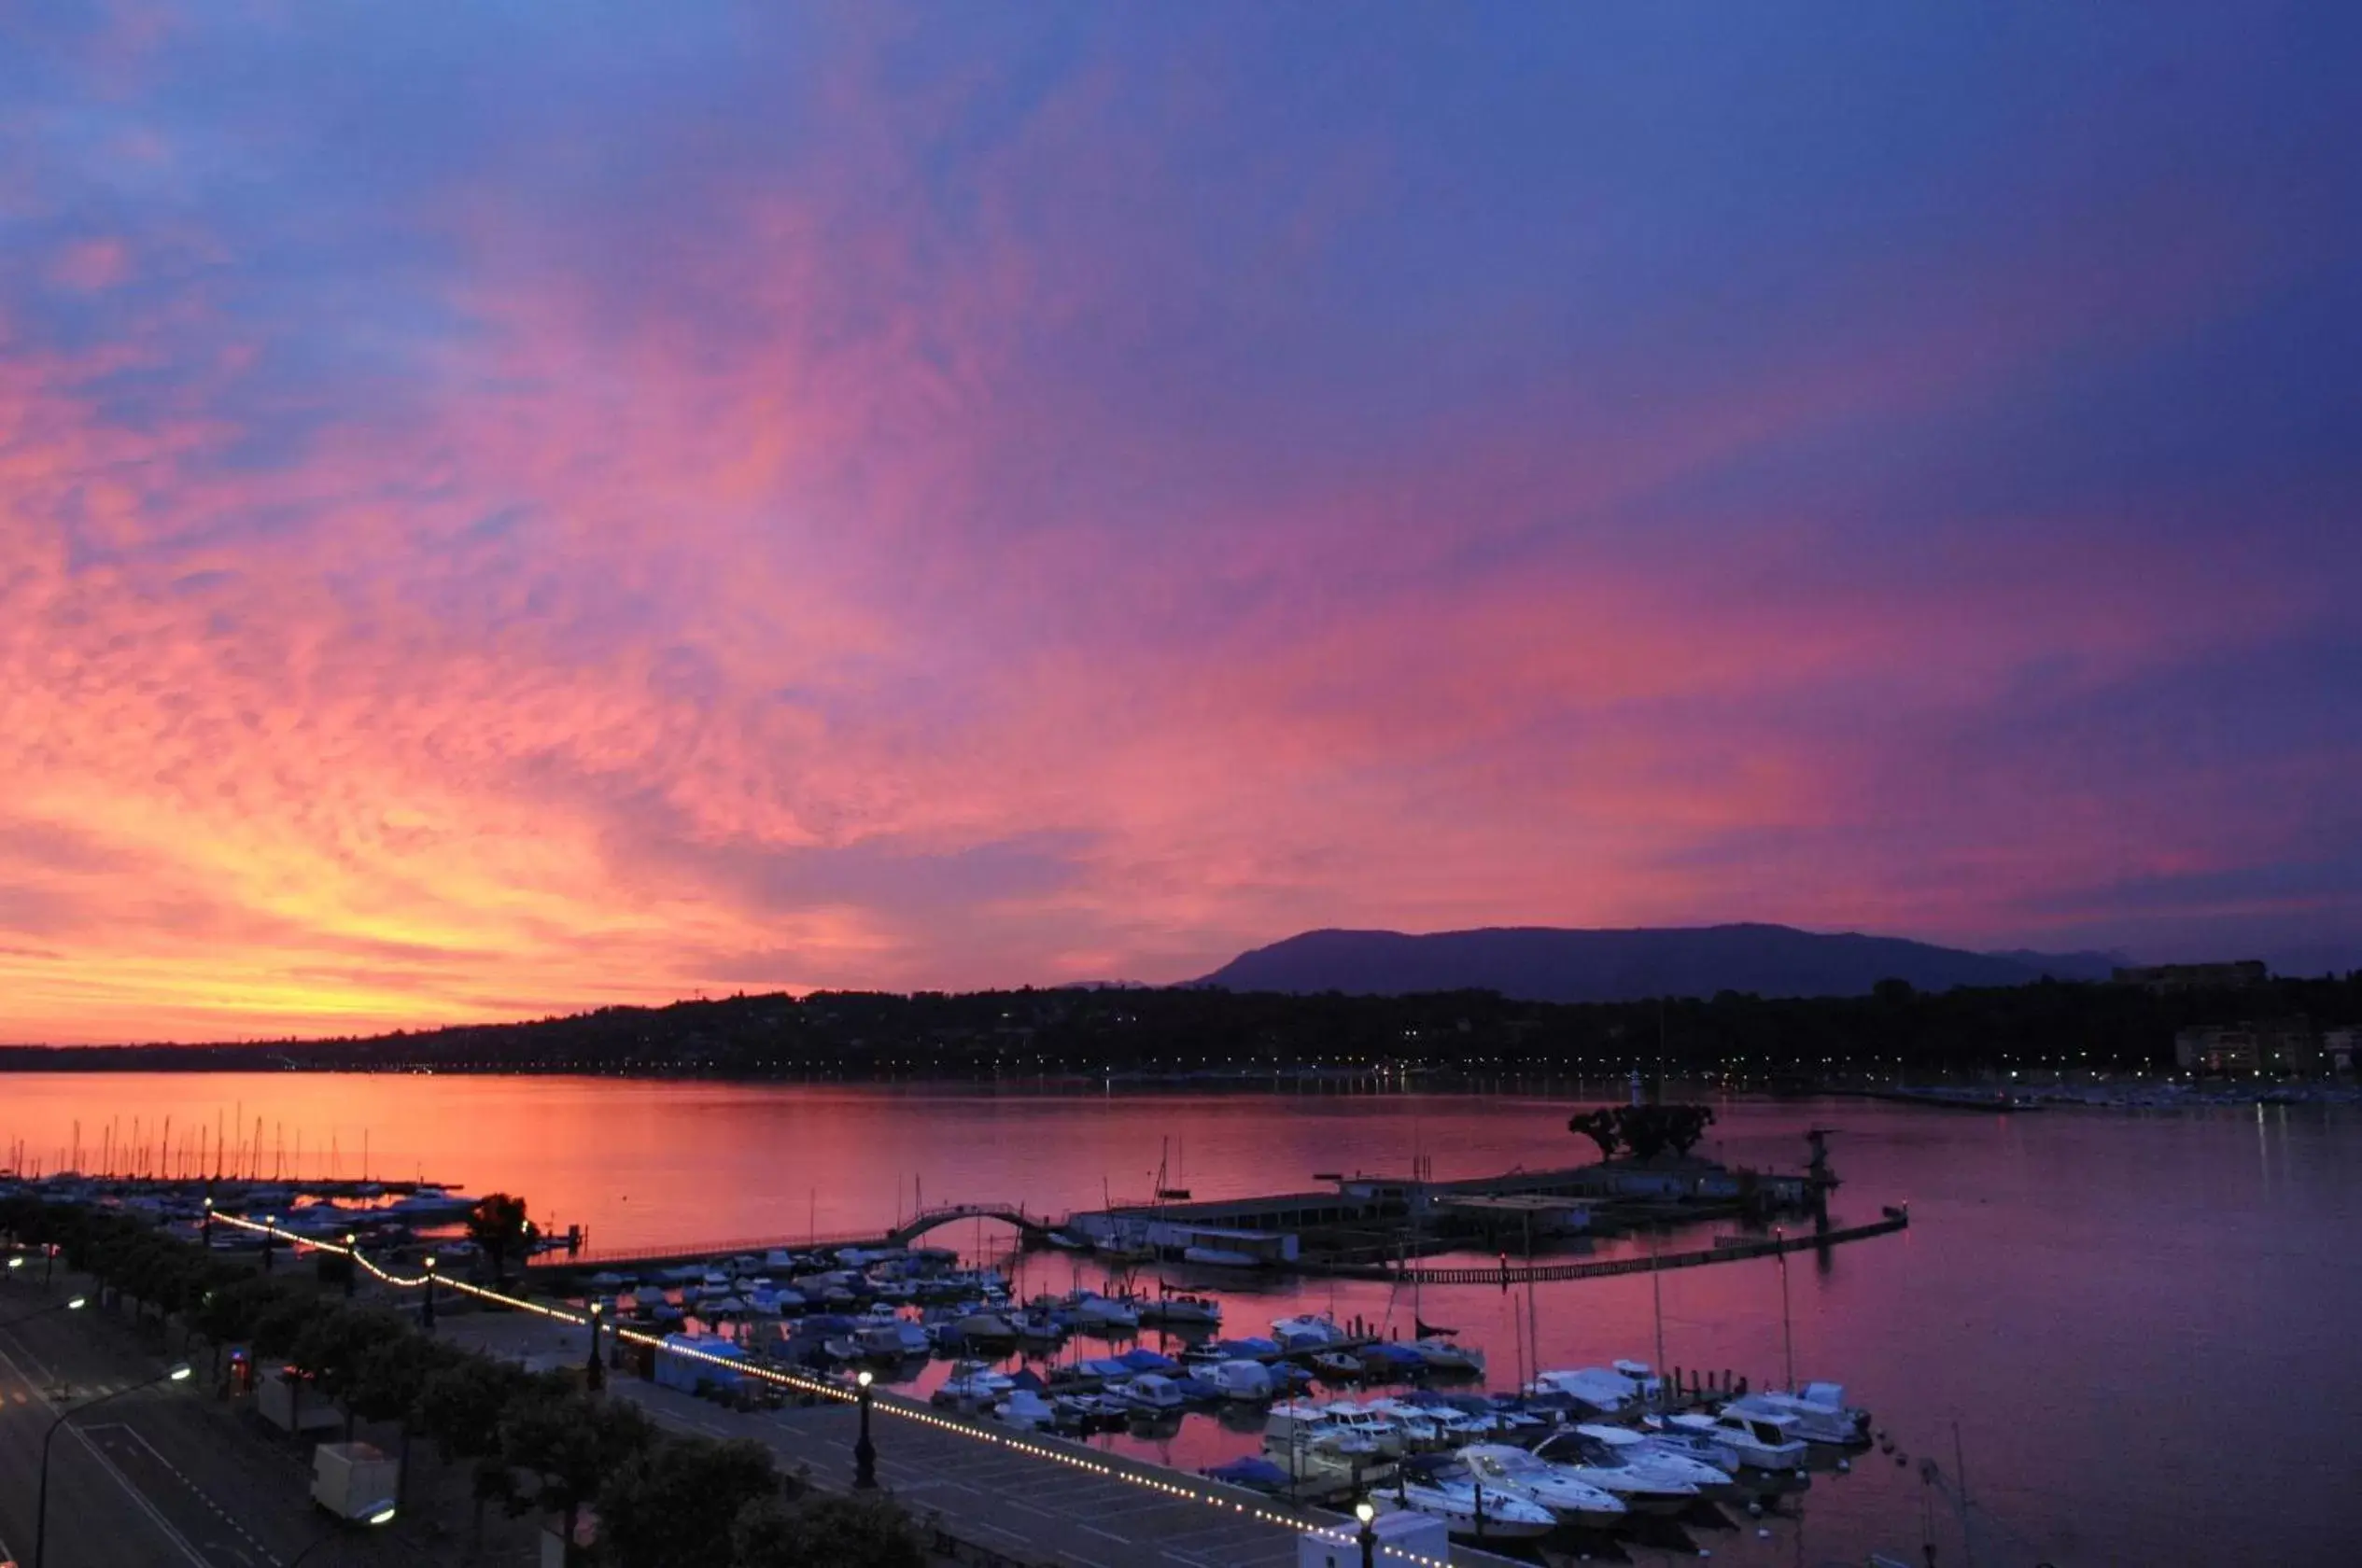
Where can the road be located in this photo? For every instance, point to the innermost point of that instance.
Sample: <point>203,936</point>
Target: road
<point>156,1478</point>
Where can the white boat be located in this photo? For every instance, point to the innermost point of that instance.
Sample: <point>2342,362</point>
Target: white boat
<point>1570,1498</point>
<point>1606,1390</point>
<point>1180,1310</point>
<point>1765,1440</point>
<point>1470,1509</point>
<point>1820,1412</point>
<point>1307,1332</point>
<point>1325,1455</point>
<point>1154,1390</point>
<point>1612,1459</point>
<point>1221,1257</point>
<point>1442,1355</point>
<point>1024,1408</point>
<point>974,1382</point>
<point>1241,1380</point>
<point>1297,1419</point>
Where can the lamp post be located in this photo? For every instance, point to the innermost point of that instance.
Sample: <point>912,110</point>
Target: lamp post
<point>1367,1512</point>
<point>426,1307</point>
<point>864,1452</point>
<point>352,1262</point>
<point>205,1226</point>
<point>382,1513</point>
<point>594,1370</point>
<point>174,1374</point>
<point>74,1304</point>
<point>270,1238</point>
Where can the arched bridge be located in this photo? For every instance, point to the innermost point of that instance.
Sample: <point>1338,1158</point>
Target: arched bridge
<point>1033,1227</point>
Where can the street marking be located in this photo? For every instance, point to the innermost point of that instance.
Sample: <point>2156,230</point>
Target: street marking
<point>140,1499</point>
<point>270,1559</point>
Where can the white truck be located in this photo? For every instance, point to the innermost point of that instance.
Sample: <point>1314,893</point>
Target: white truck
<point>355,1481</point>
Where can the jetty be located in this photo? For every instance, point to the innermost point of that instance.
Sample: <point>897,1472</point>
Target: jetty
<point>1724,1250</point>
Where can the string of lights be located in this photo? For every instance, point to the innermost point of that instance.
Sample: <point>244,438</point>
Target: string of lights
<point>826,1389</point>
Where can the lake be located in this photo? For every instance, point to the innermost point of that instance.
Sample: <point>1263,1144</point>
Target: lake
<point>2145,1329</point>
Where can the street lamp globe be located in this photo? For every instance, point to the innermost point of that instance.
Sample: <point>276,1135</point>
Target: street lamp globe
<point>77,1303</point>
<point>1366,1511</point>
<point>863,1378</point>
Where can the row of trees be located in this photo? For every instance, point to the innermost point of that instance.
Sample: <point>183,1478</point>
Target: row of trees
<point>530,1442</point>
<point>1029,1032</point>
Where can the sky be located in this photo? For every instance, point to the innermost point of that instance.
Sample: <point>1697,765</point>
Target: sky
<point>519,507</point>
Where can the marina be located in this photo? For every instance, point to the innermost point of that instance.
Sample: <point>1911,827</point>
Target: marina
<point>1912,1322</point>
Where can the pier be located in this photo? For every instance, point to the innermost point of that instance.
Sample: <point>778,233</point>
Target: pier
<point>1724,1250</point>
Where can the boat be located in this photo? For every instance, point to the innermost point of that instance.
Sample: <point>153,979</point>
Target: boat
<point>1609,1458</point>
<point>1570,1499</point>
<point>1189,1311</point>
<point>1442,1355</point>
<point>1762,1441</point>
<point>1255,1475</point>
<point>1607,1391</point>
<point>1154,1390</point>
<point>1295,1419</point>
<point>1326,1455</point>
<point>1026,1408</point>
<point>1338,1367</point>
<point>1308,1331</point>
<point>986,1327</point>
<point>1095,1312</point>
<point>1820,1410</point>
<point>1241,1380</point>
<point>896,1339</point>
<point>1442,1488</point>
<point>1221,1257</point>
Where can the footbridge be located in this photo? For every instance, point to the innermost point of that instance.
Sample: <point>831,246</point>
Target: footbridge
<point>1033,1228</point>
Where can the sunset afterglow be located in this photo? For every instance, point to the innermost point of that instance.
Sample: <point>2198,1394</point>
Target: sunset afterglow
<point>515,510</point>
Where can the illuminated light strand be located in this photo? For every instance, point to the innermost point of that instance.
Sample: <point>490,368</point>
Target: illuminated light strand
<point>838,1392</point>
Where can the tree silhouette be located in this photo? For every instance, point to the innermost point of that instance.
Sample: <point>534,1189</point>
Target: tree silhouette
<point>498,1226</point>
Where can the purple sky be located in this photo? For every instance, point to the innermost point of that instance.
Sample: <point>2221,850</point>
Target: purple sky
<point>514,507</point>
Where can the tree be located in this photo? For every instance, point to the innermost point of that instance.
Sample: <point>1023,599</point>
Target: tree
<point>1600,1126</point>
<point>571,1443</point>
<point>672,1505</point>
<point>498,1226</point>
<point>841,1532</point>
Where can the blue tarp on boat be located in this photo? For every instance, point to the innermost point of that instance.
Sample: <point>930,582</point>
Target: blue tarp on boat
<point>1149,1361</point>
<point>1104,1366</point>
<point>1260,1474</point>
<point>1393,1355</point>
<point>1254,1345</point>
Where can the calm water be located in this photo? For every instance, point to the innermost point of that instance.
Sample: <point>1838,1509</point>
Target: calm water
<point>2147,1329</point>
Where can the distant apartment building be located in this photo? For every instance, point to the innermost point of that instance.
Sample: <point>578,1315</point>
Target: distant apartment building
<point>2337,1048</point>
<point>2276,1046</point>
<point>2195,976</point>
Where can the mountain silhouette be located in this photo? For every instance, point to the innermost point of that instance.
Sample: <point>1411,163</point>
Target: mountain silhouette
<point>1544,963</point>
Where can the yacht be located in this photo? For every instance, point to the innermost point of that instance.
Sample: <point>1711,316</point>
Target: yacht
<point>1024,1408</point>
<point>1442,1355</point>
<point>1570,1499</point>
<point>1765,1440</point>
<point>1820,1412</point>
<point>1470,1509</point>
<point>1605,1390</point>
<point>1181,1312</point>
<point>1241,1380</point>
<point>1154,1390</point>
<point>1096,1311</point>
<point>1646,1484</point>
<point>1296,1420</point>
<point>1308,1331</point>
<point>900,1338</point>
